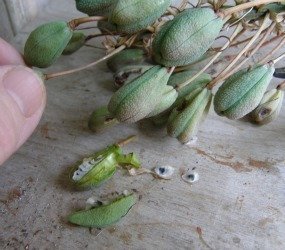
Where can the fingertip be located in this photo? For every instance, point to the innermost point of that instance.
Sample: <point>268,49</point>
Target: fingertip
<point>9,55</point>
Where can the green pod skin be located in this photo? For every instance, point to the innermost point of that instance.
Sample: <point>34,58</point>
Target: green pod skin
<point>128,73</point>
<point>106,27</point>
<point>127,57</point>
<point>104,215</point>
<point>103,167</point>
<point>176,79</point>
<point>172,46</point>
<point>137,99</point>
<point>129,160</point>
<point>95,7</point>
<point>185,119</point>
<point>242,92</point>
<point>46,44</point>
<point>101,119</point>
<point>76,42</point>
<point>169,97</point>
<point>132,16</point>
<point>269,107</point>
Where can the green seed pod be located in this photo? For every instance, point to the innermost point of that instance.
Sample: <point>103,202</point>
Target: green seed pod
<point>269,107</point>
<point>104,215</point>
<point>46,43</point>
<point>106,27</point>
<point>169,97</point>
<point>76,42</point>
<point>176,79</point>
<point>127,57</point>
<point>242,92</point>
<point>128,73</point>
<point>187,37</point>
<point>185,119</point>
<point>137,99</point>
<point>95,7</point>
<point>132,16</point>
<point>95,170</point>
<point>101,119</point>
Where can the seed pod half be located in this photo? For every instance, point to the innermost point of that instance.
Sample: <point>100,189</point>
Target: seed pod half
<point>104,215</point>
<point>101,119</point>
<point>185,119</point>
<point>168,98</point>
<point>76,42</point>
<point>187,37</point>
<point>137,99</point>
<point>135,15</point>
<point>95,7</point>
<point>127,57</point>
<point>242,92</point>
<point>93,171</point>
<point>128,73</point>
<point>269,107</point>
<point>46,43</point>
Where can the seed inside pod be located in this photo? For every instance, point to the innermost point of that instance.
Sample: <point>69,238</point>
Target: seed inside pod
<point>164,172</point>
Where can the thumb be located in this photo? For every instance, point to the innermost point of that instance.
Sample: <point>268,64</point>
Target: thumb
<point>22,101</point>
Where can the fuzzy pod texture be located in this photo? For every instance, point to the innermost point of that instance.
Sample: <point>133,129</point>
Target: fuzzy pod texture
<point>46,43</point>
<point>185,119</point>
<point>101,119</point>
<point>137,99</point>
<point>76,42</point>
<point>242,92</point>
<point>269,107</point>
<point>98,168</point>
<point>132,16</point>
<point>106,27</point>
<point>176,79</point>
<point>168,98</point>
<point>104,215</point>
<point>128,73</point>
<point>187,37</point>
<point>127,57</point>
<point>95,7</point>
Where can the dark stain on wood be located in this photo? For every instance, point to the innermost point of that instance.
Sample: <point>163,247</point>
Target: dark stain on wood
<point>199,232</point>
<point>126,238</point>
<point>237,166</point>
<point>259,164</point>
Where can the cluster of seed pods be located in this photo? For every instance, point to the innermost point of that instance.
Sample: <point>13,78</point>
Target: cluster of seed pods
<point>151,64</point>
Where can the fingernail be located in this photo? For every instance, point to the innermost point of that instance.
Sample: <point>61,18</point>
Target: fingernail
<point>26,89</point>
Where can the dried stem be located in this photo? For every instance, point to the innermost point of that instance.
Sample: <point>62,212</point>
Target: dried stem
<point>267,58</point>
<point>68,72</point>
<point>222,75</point>
<point>126,141</point>
<point>240,7</point>
<point>278,58</point>
<point>76,22</point>
<point>235,33</point>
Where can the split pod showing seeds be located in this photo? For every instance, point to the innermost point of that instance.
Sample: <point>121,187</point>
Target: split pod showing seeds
<point>185,119</point>
<point>95,7</point>
<point>104,215</point>
<point>132,16</point>
<point>76,42</point>
<point>98,168</point>
<point>127,57</point>
<point>187,37</point>
<point>128,73</point>
<point>242,92</point>
<point>46,43</point>
<point>137,99</point>
<point>269,107</point>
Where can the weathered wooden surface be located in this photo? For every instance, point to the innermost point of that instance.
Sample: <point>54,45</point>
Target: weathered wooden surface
<point>238,203</point>
<point>16,13</point>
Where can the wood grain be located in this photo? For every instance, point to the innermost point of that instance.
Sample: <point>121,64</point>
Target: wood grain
<point>238,203</point>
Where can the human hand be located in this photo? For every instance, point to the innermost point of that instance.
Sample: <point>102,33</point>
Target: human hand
<point>22,100</point>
